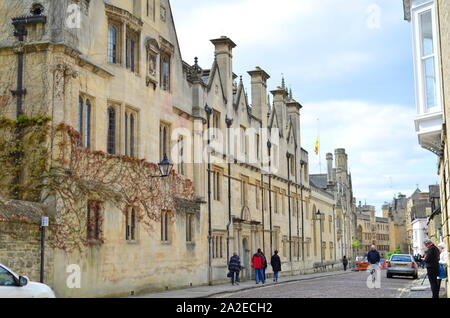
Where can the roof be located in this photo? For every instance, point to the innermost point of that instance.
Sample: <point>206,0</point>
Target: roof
<point>319,180</point>
<point>22,211</point>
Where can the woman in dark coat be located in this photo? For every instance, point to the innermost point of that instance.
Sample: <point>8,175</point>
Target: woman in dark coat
<point>235,267</point>
<point>276,266</point>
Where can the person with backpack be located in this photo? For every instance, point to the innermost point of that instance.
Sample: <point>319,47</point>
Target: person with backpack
<point>235,268</point>
<point>258,265</point>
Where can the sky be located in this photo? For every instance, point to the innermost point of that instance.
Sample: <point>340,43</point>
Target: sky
<point>348,62</point>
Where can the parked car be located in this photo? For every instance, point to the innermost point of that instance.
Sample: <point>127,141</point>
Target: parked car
<point>15,286</point>
<point>402,265</point>
<point>361,263</point>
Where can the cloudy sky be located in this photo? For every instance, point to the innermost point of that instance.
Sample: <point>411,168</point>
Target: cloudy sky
<point>349,63</point>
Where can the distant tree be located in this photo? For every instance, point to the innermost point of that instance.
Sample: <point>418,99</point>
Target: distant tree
<point>397,251</point>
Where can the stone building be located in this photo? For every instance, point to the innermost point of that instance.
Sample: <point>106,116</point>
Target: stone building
<point>104,86</point>
<point>338,182</point>
<point>396,213</point>
<point>418,210</point>
<point>372,230</point>
<point>430,21</point>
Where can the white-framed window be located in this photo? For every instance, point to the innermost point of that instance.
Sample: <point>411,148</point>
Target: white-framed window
<point>426,55</point>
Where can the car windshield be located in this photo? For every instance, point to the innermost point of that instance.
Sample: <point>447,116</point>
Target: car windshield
<point>6,278</point>
<point>401,258</point>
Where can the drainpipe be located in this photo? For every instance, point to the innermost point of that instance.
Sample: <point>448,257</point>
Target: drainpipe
<point>229,123</point>
<point>288,157</point>
<point>269,146</point>
<point>20,32</point>
<point>296,200</point>
<point>208,111</point>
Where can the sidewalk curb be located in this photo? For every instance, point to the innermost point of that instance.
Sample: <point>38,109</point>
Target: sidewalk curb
<point>270,285</point>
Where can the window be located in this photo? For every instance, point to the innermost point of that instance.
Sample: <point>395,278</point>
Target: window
<point>181,155</point>
<point>216,185</point>
<point>216,125</point>
<point>84,121</point>
<point>165,230</point>
<point>244,192</point>
<point>283,202</point>
<point>164,140</point>
<point>428,58</point>
<point>6,278</point>
<point>257,190</point>
<point>190,228</point>
<point>151,9</point>
<point>93,221</point>
<point>258,141</point>
<point>114,43</point>
<point>165,72</point>
<point>275,199</point>
<point>132,50</point>
<point>130,133</point>
<point>217,246</point>
<point>111,139</point>
<point>130,227</point>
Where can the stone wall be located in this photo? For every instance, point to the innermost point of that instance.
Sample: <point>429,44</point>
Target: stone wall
<point>20,240</point>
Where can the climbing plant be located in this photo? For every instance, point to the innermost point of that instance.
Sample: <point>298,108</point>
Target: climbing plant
<point>72,177</point>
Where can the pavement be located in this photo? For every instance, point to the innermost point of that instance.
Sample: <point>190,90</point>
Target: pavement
<point>420,288</point>
<point>210,291</point>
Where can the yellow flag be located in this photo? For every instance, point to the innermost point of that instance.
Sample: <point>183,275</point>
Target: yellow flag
<point>316,149</point>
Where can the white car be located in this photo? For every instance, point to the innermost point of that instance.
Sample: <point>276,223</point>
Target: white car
<point>14,286</point>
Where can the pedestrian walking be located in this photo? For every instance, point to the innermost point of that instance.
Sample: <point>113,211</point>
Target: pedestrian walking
<point>235,268</point>
<point>345,263</point>
<point>443,263</point>
<point>275,262</point>
<point>432,256</point>
<point>258,265</point>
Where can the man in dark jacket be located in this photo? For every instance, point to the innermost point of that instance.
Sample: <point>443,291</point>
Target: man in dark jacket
<point>234,267</point>
<point>431,260</point>
<point>275,261</point>
<point>345,263</point>
<point>373,257</point>
<point>258,265</point>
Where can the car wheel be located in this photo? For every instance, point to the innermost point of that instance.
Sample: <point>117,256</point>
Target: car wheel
<point>389,275</point>
<point>416,276</point>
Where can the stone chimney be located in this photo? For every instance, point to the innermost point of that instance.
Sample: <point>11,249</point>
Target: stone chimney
<point>224,56</point>
<point>330,178</point>
<point>341,159</point>
<point>279,98</point>
<point>259,94</point>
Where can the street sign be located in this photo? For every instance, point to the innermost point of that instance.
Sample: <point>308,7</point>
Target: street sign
<point>44,221</point>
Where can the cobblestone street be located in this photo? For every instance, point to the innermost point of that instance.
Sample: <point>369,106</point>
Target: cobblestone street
<point>352,285</point>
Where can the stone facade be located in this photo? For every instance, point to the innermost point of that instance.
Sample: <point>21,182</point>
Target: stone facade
<point>120,82</point>
<point>396,213</point>
<point>372,230</point>
<point>441,39</point>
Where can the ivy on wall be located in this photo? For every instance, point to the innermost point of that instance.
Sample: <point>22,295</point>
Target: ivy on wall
<point>55,168</point>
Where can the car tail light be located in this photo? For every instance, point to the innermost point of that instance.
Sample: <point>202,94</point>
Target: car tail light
<point>389,264</point>
<point>413,265</point>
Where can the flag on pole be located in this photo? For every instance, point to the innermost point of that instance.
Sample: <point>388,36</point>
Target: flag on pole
<point>316,149</point>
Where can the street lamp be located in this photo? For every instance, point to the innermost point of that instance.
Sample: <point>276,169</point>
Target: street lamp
<point>165,168</point>
<point>319,217</point>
